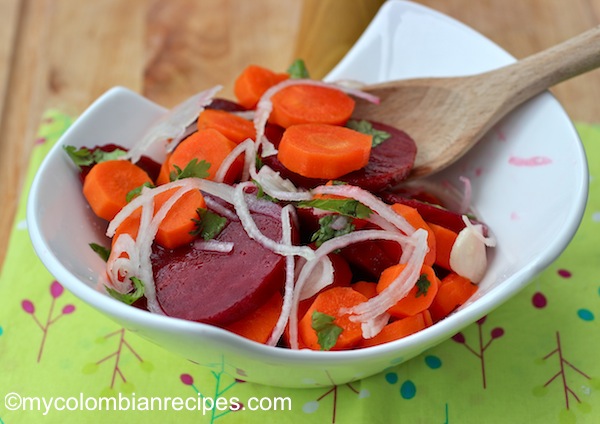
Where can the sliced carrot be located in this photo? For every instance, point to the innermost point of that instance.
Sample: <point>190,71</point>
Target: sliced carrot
<point>106,186</point>
<point>129,226</point>
<point>234,127</point>
<point>330,302</point>
<point>454,291</point>
<point>175,228</point>
<point>444,240</point>
<point>419,298</point>
<point>163,173</point>
<point>251,84</point>
<point>399,329</point>
<point>310,104</point>
<point>342,275</point>
<point>208,145</point>
<point>323,151</point>
<point>258,325</point>
<point>367,288</point>
<point>414,218</point>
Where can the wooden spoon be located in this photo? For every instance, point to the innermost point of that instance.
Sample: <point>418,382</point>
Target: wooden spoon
<point>448,116</point>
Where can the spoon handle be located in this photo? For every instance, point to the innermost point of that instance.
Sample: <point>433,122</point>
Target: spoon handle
<point>534,74</point>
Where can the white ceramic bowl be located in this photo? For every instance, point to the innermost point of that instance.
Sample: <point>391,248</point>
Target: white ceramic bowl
<point>529,179</point>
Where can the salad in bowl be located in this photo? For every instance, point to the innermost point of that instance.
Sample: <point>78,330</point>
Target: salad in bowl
<point>276,233</point>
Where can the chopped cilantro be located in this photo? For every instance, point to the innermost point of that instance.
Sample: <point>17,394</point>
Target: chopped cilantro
<point>422,284</point>
<point>348,207</point>
<point>102,251</point>
<point>327,332</point>
<point>209,224</point>
<point>261,193</point>
<point>298,69</point>
<point>128,298</point>
<point>366,127</point>
<point>136,191</point>
<point>259,162</point>
<point>193,169</point>
<point>86,157</point>
<point>326,230</point>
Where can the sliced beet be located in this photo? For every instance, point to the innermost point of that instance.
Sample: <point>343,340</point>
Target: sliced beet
<point>432,213</point>
<point>390,162</point>
<point>226,105</point>
<point>220,288</point>
<point>368,259</point>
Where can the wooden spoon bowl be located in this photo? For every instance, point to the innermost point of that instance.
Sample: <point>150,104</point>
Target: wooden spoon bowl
<point>447,116</point>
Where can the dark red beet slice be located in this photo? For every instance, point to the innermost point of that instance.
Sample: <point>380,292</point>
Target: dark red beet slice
<point>432,213</point>
<point>220,288</point>
<point>226,105</point>
<point>368,259</point>
<point>342,274</point>
<point>390,162</point>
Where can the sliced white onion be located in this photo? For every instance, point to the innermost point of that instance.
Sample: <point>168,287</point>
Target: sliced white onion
<point>278,187</point>
<point>369,313</point>
<point>171,126</point>
<point>120,268</point>
<point>241,208</point>
<point>220,209</point>
<point>221,190</point>
<point>319,278</point>
<point>144,197</point>
<point>214,246</point>
<point>288,294</point>
<point>246,147</point>
<point>325,249</point>
<point>137,263</point>
<point>372,328</point>
<point>369,200</point>
<point>246,114</point>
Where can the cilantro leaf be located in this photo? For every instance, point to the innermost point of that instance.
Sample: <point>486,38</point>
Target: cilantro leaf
<point>422,284</point>
<point>102,251</point>
<point>259,162</point>
<point>298,69</point>
<point>131,297</point>
<point>192,169</point>
<point>260,194</point>
<point>102,156</point>
<point>327,231</point>
<point>347,207</point>
<point>86,157</point>
<point>136,191</point>
<point>209,224</point>
<point>327,332</point>
<point>81,157</point>
<point>366,127</point>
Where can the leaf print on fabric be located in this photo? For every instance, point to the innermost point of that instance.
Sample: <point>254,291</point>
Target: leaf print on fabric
<point>496,333</point>
<point>122,347</point>
<point>563,376</point>
<point>56,291</point>
<point>219,390</point>
<point>333,391</point>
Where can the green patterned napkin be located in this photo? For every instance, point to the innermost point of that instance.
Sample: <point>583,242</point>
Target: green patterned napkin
<point>534,359</point>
